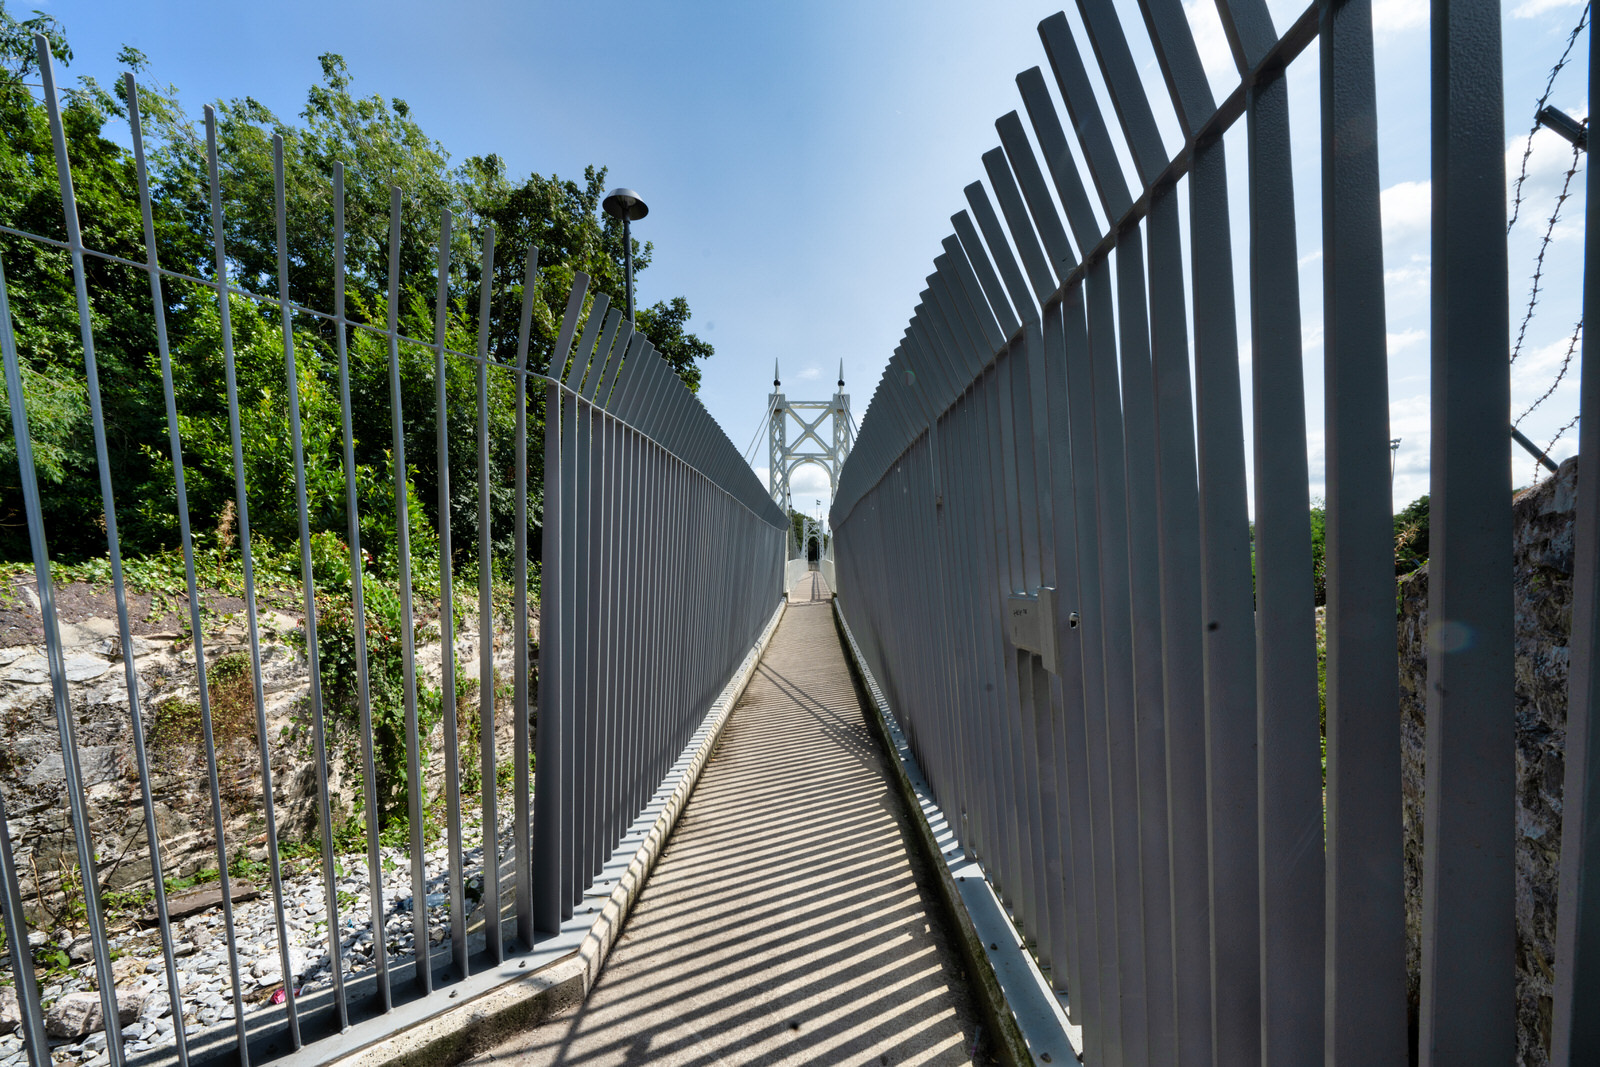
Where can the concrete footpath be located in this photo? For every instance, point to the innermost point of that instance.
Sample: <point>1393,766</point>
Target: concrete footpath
<point>783,923</point>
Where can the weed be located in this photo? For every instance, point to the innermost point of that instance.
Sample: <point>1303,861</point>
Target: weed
<point>50,961</point>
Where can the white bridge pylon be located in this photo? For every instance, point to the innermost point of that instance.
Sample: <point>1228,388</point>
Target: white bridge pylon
<point>823,436</point>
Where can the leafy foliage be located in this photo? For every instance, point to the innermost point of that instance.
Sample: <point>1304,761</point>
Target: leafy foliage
<point>239,369</point>
<point>1411,536</point>
<point>382,149</point>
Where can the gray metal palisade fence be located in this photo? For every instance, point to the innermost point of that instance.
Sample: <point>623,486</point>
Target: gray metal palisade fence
<point>1120,715</point>
<point>662,562</point>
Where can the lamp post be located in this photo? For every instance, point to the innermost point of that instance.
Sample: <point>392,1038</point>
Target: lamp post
<point>625,204</point>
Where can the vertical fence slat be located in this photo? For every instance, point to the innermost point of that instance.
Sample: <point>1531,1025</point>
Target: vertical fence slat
<point>1288,756</point>
<point>77,799</point>
<point>1144,578</point>
<point>1178,516</point>
<point>358,611</point>
<point>489,905</point>
<point>1468,931</point>
<point>523,693</point>
<point>158,886</point>
<point>415,801</point>
<point>1229,636</point>
<point>224,312</point>
<point>1365,954</point>
<point>28,1003</point>
<point>308,589</point>
<point>455,882</point>
<point>1575,1033</point>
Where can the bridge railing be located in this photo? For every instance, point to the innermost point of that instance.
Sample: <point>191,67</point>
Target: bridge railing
<point>661,560</point>
<point>645,638</point>
<point>1111,680</point>
<point>793,571</point>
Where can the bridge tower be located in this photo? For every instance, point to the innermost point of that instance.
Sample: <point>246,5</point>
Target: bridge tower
<point>823,436</point>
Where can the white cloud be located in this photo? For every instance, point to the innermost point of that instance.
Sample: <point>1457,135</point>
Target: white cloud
<point>1407,287</point>
<point>1548,161</point>
<point>810,374</point>
<point>1393,16</point>
<point>1212,43</point>
<point>1409,420</point>
<point>807,485</point>
<point>1399,342</point>
<point>1407,209</point>
<point>1532,9</point>
<point>1535,367</point>
<point>1411,415</point>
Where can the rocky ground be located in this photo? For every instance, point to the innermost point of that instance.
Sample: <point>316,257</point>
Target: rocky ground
<point>32,782</point>
<point>205,978</point>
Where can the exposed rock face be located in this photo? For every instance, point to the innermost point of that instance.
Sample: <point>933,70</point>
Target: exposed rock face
<point>33,775</point>
<point>76,1015</point>
<point>1542,532</point>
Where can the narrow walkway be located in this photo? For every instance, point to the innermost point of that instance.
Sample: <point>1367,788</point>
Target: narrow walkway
<point>783,923</point>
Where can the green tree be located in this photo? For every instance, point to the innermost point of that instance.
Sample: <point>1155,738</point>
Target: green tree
<point>381,146</point>
<point>1411,536</point>
<point>40,289</point>
<point>663,323</point>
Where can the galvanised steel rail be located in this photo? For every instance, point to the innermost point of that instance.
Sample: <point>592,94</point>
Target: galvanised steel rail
<point>1046,555</point>
<point>662,558</point>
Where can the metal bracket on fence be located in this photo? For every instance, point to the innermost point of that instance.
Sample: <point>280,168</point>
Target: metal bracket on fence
<point>1030,623</point>
<point>1564,124</point>
<point>1534,450</point>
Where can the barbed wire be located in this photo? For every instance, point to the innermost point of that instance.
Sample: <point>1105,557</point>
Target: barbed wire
<point>1566,365</point>
<point>1538,468</point>
<point>1527,151</point>
<point>1536,288</point>
<point>1544,246</point>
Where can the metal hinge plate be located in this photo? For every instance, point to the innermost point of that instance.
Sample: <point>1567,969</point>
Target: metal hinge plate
<point>1031,625</point>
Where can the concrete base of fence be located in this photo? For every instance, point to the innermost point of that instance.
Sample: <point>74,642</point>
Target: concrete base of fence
<point>1028,1018</point>
<point>490,1017</point>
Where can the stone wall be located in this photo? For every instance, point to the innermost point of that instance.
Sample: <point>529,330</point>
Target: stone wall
<point>33,782</point>
<point>1542,549</point>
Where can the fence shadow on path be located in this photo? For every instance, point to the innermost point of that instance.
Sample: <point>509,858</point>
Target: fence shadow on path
<point>783,923</point>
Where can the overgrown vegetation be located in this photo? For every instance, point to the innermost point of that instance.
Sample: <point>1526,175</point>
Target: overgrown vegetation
<point>381,145</point>
<point>1410,541</point>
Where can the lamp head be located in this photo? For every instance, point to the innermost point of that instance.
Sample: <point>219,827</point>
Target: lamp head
<point>625,204</point>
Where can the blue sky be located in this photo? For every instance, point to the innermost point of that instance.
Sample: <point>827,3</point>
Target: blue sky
<point>801,162</point>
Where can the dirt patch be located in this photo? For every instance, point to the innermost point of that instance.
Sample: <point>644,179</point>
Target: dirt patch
<point>76,602</point>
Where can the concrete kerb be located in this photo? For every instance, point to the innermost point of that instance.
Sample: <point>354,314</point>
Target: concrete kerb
<point>1028,1018</point>
<point>494,1016</point>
